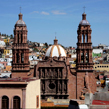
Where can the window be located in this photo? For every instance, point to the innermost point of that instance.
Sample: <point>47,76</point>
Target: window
<point>17,57</point>
<point>17,38</point>
<point>82,38</point>
<point>82,58</point>
<point>5,102</point>
<point>86,38</point>
<point>16,102</point>
<point>37,101</point>
<point>86,57</point>
<point>22,57</point>
<point>43,73</point>
<point>21,38</point>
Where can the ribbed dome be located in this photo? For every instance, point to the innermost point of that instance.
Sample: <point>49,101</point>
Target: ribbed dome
<point>20,22</point>
<point>55,50</point>
<point>84,21</point>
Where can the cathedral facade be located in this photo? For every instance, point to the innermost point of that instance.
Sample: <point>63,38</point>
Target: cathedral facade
<point>57,78</point>
<point>53,73</point>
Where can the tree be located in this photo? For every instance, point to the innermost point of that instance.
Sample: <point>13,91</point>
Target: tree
<point>35,50</point>
<point>46,44</point>
<point>11,36</point>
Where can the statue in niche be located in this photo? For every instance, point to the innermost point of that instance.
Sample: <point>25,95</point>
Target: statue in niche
<point>87,82</point>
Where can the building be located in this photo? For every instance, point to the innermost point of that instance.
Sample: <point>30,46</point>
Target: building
<point>17,93</point>
<point>57,79</point>
<point>2,47</point>
<point>20,50</point>
<point>21,90</point>
<point>101,67</point>
<point>85,78</point>
<point>52,71</point>
<point>97,52</point>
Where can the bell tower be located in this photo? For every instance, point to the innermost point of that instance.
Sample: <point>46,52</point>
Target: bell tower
<point>84,64</point>
<point>20,63</point>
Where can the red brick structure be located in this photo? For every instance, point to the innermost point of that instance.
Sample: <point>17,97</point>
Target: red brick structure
<point>72,82</point>
<point>85,78</point>
<point>58,80</point>
<point>53,73</point>
<point>20,64</point>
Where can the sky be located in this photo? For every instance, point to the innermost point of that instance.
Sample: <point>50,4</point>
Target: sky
<point>44,18</point>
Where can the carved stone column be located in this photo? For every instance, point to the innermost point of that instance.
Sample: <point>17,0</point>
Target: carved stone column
<point>19,56</point>
<point>62,86</point>
<point>58,87</point>
<point>0,102</point>
<point>23,98</point>
<point>40,73</point>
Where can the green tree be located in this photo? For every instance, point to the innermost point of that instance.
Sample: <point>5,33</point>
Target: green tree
<point>35,50</point>
<point>11,36</point>
<point>46,44</point>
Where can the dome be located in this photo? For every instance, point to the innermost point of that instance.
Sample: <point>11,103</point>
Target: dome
<point>55,50</point>
<point>20,22</point>
<point>84,21</point>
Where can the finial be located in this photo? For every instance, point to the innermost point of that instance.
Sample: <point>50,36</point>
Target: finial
<point>55,40</point>
<point>84,9</point>
<point>20,9</point>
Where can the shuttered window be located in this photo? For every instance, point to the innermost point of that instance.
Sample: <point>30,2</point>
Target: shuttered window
<point>16,102</point>
<point>5,102</point>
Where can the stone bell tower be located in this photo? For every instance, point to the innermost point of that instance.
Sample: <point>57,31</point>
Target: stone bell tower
<point>20,63</point>
<point>85,77</point>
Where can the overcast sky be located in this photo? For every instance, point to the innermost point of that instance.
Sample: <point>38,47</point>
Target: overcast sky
<point>45,17</point>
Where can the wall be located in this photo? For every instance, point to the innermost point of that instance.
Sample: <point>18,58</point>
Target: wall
<point>71,84</point>
<point>10,93</point>
<point>101,67</point>
<point>32,91</point>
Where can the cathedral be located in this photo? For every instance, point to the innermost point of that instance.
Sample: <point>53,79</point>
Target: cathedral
<point>57,78</point>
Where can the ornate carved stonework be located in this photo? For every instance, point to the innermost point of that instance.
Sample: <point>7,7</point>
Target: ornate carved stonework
<point>20,50</point>
<point>54,79</point>
<point>84,61</point>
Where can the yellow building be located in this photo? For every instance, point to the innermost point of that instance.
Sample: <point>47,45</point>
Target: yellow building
<point>101,67</point>
<point>6,40</point>
<point>8,68</point>
<point>6,51</point>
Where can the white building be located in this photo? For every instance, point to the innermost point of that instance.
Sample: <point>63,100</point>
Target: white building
<point>97,51</point>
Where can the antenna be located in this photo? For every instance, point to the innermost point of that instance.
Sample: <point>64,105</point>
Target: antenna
<point>20,9</point>
<point>84,9</point>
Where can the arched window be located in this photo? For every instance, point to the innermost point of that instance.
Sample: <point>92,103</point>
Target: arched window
<point>17,57</point>
<point>87,58</point>
<point>17,38</point>
<point>5,102</point>
<point>22,57</point>
<point>86,38</point>
<point>21,38</point>
<point>82,38</point>
<point>60,73</point>
<point>16,102</point>
<point>43,73</point>
<point>82,58</point>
